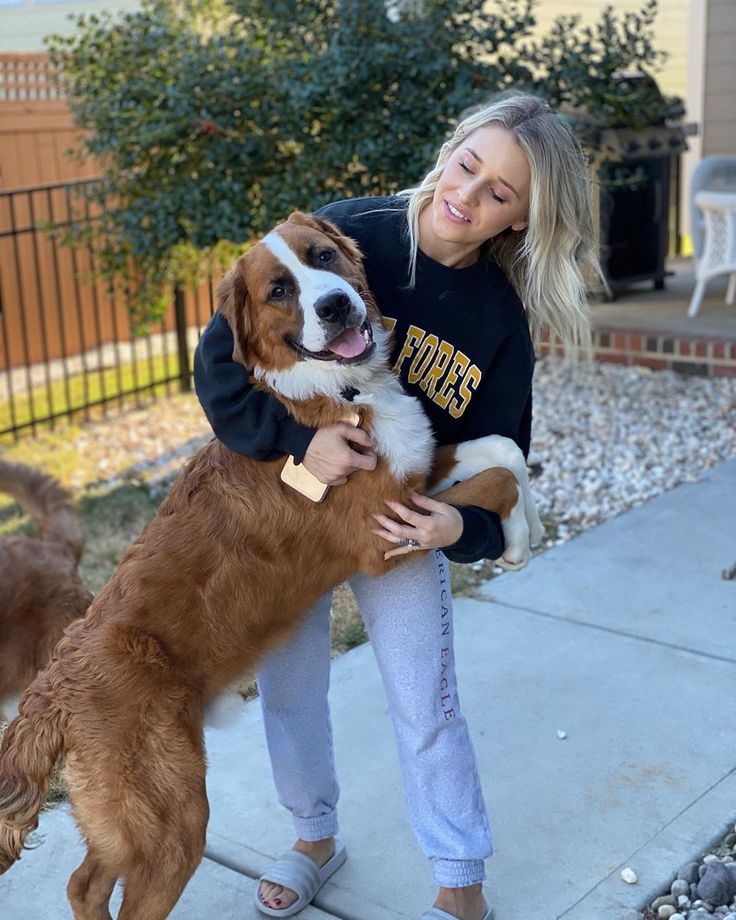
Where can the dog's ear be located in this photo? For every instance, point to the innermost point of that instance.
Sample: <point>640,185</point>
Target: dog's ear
<point>232,302</point>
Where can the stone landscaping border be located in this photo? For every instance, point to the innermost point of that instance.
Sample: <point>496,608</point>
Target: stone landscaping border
<point>703,888</point>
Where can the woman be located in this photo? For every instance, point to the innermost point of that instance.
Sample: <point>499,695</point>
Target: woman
<point>488,247</point>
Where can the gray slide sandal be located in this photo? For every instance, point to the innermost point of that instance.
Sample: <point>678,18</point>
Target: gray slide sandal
<point>298,872</point>
<point>436,913</point>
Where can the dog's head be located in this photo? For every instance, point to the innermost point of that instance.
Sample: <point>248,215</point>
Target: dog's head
<point>297,301</point>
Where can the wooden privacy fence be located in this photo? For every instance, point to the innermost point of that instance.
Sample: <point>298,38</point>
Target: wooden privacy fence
<point>66,340</point>
<point>36,126</point>
<point>26,77</point>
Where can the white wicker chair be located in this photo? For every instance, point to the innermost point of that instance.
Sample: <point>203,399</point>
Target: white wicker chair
<point>713,225</point>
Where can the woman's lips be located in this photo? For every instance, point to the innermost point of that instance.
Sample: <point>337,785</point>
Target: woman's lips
<point>453,218</point>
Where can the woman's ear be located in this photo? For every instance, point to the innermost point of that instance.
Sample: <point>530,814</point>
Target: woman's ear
<point>520,225</point>
<point>232,302</point>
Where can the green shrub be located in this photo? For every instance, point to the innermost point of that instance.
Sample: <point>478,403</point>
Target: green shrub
<point>215,118</point>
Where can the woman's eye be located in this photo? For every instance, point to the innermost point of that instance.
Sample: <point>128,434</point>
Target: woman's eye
<point>464,166</point>
<point>496,198</point>
<point>326,256</point>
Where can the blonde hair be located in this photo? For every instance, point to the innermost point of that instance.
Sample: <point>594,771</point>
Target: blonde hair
<point>547,261</point>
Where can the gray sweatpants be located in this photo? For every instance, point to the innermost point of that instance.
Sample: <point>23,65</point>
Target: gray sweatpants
<point>408,617</point>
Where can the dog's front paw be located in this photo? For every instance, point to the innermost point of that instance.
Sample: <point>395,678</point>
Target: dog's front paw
<point>513,562</point>
<point>536,530</point>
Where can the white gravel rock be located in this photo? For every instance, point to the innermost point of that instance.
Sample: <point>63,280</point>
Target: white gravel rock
<point>609,437</point>
<point>605,438</point>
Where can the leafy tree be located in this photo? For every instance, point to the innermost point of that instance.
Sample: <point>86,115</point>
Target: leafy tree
<point>579,69</point>
<point>215,118</point>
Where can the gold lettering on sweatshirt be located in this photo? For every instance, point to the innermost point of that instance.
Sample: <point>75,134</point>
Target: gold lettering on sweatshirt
<point>469,383</point>
<point>414,336</point>
<point>442,371</point>
<point>439,366</point>
<point>423,358</point>
<point>458,367</point>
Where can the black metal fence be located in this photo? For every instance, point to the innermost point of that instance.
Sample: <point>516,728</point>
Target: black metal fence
<point>67,347</point>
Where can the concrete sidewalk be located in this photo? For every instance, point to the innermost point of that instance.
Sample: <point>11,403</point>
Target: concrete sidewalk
<point>623,638</point>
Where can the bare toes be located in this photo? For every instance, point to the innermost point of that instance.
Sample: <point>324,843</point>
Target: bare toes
<point>276,896</point>
<point>269,891</point>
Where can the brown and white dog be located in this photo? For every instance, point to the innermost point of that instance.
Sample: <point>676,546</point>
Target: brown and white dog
<point>222,575</point>
<point>40,588</point>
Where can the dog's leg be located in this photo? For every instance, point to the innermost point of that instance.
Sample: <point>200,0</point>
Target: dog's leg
<point>458,462</point>
<point>153,888</point>
<point>150,816</point>
<point>135,771</point>
<point>497,490</point>
<point>90,888</point>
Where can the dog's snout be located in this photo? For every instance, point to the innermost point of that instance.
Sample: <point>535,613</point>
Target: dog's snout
<point>333,307</point>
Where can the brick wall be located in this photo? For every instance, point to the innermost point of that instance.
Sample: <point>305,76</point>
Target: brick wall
<point>708,357</point>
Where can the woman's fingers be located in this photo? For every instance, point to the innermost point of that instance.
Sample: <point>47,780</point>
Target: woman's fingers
<point>431,505</point>
<point>394,529</point>
<point>441,526</point>
<point>415,518</point>
<point>398,551</point>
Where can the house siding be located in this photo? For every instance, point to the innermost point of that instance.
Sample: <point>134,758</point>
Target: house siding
<point>719,100</point>
<point>23,24</point>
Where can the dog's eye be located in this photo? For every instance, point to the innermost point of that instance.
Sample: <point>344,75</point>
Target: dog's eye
<point>326,256</point>
<point>278,292</point>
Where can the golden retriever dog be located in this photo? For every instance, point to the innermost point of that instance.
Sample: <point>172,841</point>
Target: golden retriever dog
<point>40,589</point>
<point>223,573</point>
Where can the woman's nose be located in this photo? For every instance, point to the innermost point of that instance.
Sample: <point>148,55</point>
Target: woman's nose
<point>468,193</point>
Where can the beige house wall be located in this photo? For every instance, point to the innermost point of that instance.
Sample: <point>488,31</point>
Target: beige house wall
<point>699,37</point>
<point>719,79</point>
<point>24,23</point>
<point>711,101</point>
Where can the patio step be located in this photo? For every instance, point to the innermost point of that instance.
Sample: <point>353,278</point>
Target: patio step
<point>651,327</point>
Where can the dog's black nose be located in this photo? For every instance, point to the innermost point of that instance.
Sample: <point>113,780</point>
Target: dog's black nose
<point>333,307</point>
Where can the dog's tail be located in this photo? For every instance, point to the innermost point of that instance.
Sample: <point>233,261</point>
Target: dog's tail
<point>28,754</point>
<point>49,504</point>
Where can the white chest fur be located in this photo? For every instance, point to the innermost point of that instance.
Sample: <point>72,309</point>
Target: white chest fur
<point>400,429</point>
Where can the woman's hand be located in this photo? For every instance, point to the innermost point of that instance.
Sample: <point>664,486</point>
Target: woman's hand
<point>331,457</point>
<point>438,524</point>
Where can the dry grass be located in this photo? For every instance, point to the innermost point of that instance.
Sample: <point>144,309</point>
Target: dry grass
<point>121,386</point>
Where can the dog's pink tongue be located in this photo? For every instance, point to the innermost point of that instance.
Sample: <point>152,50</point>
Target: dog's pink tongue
<point>348,344</point>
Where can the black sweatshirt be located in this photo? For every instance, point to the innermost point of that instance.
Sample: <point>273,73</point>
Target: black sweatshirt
<point>461,346</point>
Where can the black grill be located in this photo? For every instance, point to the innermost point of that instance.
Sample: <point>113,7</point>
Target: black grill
<point>639,179</point>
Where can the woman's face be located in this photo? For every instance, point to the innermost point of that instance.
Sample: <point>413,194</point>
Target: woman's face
<point>483,189</point>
